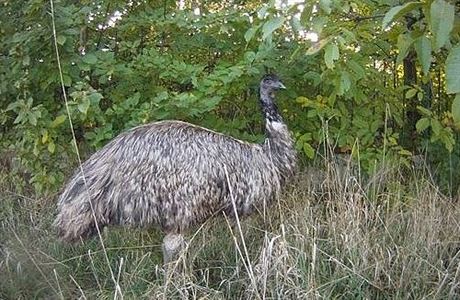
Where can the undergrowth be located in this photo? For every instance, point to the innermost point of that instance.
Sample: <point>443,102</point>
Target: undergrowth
<point>331,235</point>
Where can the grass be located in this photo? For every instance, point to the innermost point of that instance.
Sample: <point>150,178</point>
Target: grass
<point>331,235</point>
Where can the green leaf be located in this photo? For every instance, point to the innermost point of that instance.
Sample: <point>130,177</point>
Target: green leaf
<point>250,33</point>
<point>19,118</point>
<point>404,43</point>
<point>411,93</point>
<point>423,49</point>
<point>424,111</point>
<point>308,150</point>
<point>51,147</point>
<point>456,109</point>
<point>453,70</point>
<point>398,11</point>
<point>13,106</point>
<point>61,40</point>
<point>325,5</point>
<point>330,55</point>
<point>45,136</point>
<point>422,124</point>
<point>318,23</point>
<point>448,140</point>
<point>305,16</point>
<point>96,97</point>
<point>436,126</point>
<point>67,80</point>
<point>90,59</point>
<point>249,56</point>
<point>405,152</point>
<point>357,69</point>
<point>36,151</point>
<point>442,15</point>
<point>296,25</point>
<point>262,12</point>
<point>345,83</point>
<point>84,105</point>
<point>271,25</point>
<point>303,101</point>
<point>58,121</point>
<point>420,96</point>
<point>318,46</point>
<point>33,119</point>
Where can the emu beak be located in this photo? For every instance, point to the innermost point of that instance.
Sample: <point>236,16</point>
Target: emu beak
<point>281,86</point>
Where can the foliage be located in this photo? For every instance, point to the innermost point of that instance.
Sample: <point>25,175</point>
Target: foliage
<point>129,63</point>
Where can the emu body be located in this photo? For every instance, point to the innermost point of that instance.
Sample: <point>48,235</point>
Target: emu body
<point>174,175</point>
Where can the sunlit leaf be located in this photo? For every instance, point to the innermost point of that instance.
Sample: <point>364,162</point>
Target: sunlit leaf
<point>411,93</point>
<point>45,136</point>
<point>58,121</point>
<point>318,46</point>
<point>308,150</point>
<point>51,147</point>
<point>405,152</point>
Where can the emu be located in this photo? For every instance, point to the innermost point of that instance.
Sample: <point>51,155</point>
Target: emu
<point>175,175</point>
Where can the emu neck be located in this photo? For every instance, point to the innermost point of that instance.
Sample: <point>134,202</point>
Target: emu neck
<point>269,108</point>
<point>278,143</point>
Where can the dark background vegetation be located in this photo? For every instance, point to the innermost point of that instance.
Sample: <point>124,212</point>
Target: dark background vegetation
<point>382,78</point>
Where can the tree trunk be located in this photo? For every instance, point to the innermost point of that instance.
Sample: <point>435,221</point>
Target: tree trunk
<point>409,134</point>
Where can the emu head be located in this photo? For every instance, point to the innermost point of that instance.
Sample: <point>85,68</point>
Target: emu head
<point>271,83</point>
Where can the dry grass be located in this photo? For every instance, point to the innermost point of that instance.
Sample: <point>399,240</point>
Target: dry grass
<point>332,235</point>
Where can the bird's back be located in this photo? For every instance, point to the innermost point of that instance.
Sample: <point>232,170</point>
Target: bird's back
<point>175,174</point>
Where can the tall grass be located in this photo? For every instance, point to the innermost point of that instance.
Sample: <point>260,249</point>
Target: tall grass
<point>331,235</point>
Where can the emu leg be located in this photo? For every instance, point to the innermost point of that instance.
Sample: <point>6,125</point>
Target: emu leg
<point>172,246</point>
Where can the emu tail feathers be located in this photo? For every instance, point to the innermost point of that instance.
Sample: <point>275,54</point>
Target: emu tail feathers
<point>74,223</point>
<point>76,218</point>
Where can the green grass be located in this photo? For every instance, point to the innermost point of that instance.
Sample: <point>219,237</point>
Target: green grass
<point>329,236</point>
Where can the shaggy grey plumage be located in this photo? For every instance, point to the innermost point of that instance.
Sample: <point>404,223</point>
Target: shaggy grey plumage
<point>173,175</point>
